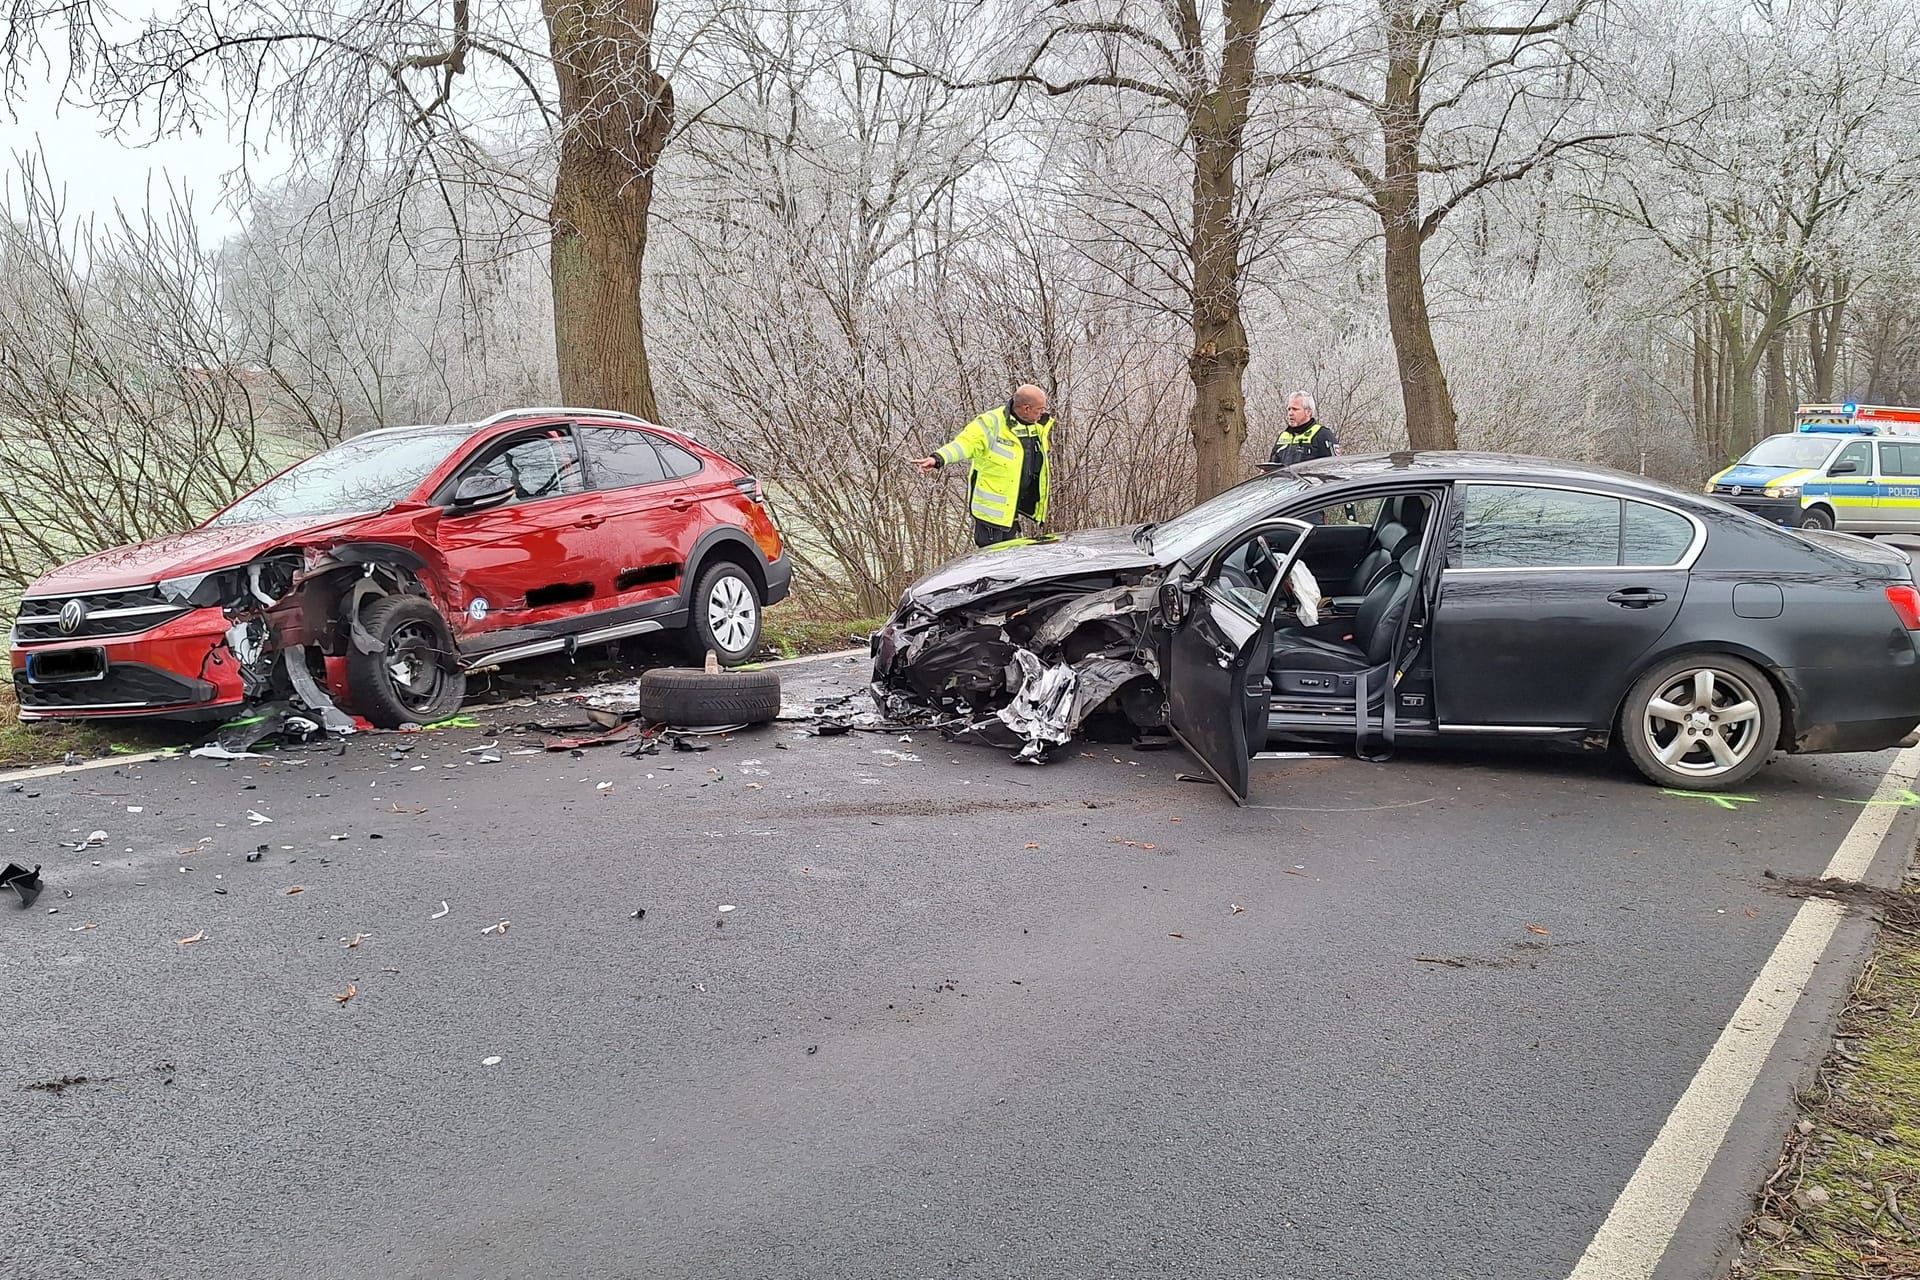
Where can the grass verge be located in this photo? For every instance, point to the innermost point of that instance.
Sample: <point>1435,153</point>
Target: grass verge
<point>1844,1203</point>
<point>786,637</point>
<point>49,742</point>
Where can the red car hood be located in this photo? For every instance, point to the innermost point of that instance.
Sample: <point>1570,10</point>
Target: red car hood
<point>176,555</point>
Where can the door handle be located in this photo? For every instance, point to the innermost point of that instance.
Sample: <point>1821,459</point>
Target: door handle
<point>589,522</point>
<point>1637,598</point>
<point>681,504</point>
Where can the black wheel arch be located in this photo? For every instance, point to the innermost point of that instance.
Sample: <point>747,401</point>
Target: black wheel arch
<point>726,543</point>
<point>1783,690</point>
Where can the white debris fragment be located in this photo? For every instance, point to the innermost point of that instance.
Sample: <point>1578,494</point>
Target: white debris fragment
<point>482,749</point>
<point>442,911</point>
<point>502,927</point>
<point>257,818</point>
<point>726,907</point>
<point>490,1062</point>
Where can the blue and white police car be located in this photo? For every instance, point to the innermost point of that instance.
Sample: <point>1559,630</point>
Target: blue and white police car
<point>1852,467</point>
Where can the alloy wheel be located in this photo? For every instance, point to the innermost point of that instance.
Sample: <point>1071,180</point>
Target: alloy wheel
<point>1702,722</point>
<point>731,611</point>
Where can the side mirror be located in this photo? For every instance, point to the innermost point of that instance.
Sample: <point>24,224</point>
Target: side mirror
<point>477,492</point>
<point>1173,600</point>
<point>1847,468</point>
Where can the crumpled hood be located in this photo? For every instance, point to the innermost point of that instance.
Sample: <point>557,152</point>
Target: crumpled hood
<point>176,555</point>
<point>1029,561</point>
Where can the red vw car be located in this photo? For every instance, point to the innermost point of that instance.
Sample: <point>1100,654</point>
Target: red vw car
<point>394,563</point>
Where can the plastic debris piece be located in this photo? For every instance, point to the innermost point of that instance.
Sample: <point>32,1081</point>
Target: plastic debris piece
<point>257,818</point>
<point>480,750</point>
<point>84,928</point>
<point>27,884</point>
<point>299,888</point>
<point>452,722</point>
<point>257,854</point>
<point>641,914</point>
<point>726,907</point>
<point>189,941</point>
<point>490,1062</point>
<point>1234,908</point>
<point>441,912</point>
<point>502,927</point>
<point>356,940</point>
<point>351,991</point>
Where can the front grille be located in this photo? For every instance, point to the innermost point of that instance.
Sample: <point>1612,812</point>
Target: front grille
<point>127,612</point>
<point>127,686</point>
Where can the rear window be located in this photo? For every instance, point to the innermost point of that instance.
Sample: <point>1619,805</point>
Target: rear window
<point>680,464</point>
<point>621,457</point>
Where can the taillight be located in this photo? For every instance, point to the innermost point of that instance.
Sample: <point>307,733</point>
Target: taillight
<point>1906,602</point>
<point>750,485</point>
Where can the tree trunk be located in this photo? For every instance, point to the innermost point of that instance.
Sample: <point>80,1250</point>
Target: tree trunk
<point>1824,326</point>
<point>1431,422</point>
<point>1217,365</point>
<point>616,111</point>
<point>1777,411</point>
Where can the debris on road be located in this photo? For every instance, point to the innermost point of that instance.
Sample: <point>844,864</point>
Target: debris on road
<point>441,912</point>
<point>189,941</point>
<point>351,991</point>
<point>27,884</point>
<point>357,939</point>
<point>502,927</point>
<point>299,888</point>
<point>257,854</point>
<point>490,1062</point>
<point>257,819</point>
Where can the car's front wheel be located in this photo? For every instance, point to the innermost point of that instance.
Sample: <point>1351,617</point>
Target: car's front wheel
<point>1700,722</point>
<point>725,615</point>
<point>415,676</point>
<point>1816,518</point>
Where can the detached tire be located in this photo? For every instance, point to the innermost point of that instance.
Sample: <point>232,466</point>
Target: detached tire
<point>415,678</point>
<point>702,699</point>
<point>1700,722</point>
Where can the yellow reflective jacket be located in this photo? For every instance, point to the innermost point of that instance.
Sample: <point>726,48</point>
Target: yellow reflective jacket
<point>996,444</point>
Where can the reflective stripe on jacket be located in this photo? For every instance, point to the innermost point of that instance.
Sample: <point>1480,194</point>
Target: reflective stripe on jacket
<point>996,444</point>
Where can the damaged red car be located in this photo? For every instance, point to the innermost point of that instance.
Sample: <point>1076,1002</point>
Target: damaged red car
<point>379,573</point>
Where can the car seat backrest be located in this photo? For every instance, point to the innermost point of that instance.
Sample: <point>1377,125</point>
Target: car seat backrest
<point>1386,545</point>
<point>1380,613</point>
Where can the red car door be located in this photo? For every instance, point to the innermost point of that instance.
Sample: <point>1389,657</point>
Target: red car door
<point>530,560</point>
<point>643,520</point>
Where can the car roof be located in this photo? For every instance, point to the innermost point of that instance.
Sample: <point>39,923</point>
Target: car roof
<point>519,417</point>
<point>1447,465</point>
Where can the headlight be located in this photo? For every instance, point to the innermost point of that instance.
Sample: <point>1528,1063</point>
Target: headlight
<point>1790,491</point>
<point>206,590</point>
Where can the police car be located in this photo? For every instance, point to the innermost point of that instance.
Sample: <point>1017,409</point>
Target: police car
<point>1850,467</point>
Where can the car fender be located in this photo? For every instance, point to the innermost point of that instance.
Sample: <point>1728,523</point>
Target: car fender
<point>1784,686</point>
<point>731,537</point>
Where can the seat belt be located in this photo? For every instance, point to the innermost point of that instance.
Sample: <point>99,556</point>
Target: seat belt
<point>1360,721</point>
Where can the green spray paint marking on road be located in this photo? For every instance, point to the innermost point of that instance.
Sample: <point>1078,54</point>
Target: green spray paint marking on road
<point>1724,801</point>
<point>1905,799</point>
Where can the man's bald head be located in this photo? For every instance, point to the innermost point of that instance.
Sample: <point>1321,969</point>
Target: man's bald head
<point>1029,403</point>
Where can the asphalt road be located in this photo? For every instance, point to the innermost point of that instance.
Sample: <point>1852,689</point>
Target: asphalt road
<point>966,1017</point>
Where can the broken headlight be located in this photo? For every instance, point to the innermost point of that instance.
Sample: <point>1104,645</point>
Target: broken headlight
<point>260,582</point>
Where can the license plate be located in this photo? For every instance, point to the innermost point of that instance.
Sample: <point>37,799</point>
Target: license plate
<point>66,666</point>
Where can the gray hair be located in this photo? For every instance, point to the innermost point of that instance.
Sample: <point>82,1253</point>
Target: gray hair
<point>1306,399</point>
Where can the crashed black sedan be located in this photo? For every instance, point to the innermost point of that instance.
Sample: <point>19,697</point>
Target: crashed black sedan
<point>1364,600</point>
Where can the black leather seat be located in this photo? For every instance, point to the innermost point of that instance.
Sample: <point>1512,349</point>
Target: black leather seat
<point>1387,543</point>
<point>1373,627</point>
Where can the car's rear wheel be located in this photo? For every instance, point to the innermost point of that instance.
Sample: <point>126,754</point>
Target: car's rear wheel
<point>725,615</point>
<point>1816,518</point>
<point>1700,722</point>
<point>415,676</point>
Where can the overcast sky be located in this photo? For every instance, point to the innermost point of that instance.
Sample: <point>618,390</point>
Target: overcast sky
<point>97,172</point>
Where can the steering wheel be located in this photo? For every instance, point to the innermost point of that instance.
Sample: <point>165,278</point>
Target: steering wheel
<point>1262,567</point>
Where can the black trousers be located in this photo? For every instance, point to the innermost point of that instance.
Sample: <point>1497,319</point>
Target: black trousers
<point>986,534</point>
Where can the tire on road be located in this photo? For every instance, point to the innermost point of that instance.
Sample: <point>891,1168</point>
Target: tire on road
<point>1676,713</point>
<point>700,699</point>
<point>415,678</point>
<point>1816,518</point>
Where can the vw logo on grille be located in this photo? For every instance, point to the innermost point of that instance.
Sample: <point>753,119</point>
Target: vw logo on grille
<point>73,616</point>
<point>1735,491</point>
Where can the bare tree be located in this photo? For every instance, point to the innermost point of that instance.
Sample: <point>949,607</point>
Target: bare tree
<point>1197,72</point>
<point>560,111</point>
<point>1422,110</point>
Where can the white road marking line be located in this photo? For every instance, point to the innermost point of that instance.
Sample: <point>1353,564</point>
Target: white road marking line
<point>106,762</point>
<point>1643,1221</point>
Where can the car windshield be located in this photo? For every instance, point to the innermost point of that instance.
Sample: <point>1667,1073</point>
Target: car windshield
<point>367,473</point>
<point>1180,537</point>
<point>1794,451</point>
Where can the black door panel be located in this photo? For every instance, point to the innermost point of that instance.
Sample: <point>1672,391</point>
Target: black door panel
<point>1548,647</point>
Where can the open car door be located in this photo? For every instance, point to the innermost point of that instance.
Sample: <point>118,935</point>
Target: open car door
<point>1219,638</point>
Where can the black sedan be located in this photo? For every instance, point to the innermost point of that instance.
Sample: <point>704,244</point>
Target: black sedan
<point>1364,600</point>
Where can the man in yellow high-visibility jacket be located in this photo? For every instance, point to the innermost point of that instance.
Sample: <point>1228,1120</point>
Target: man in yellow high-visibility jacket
<point>1009,448</point>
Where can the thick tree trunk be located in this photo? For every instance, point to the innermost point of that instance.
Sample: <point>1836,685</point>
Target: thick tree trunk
<point>1824,326</point>
<point>1431,422</point>
<point>616,111</point>
<point>1777,411</point>
<point>1217,365</point>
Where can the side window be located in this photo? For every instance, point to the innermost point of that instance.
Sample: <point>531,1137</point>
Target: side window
<point>1899,459</point>
<point>621,457</point>
<point>680,464</point>
<point>541,466</point>
<point>1860,454</point>
<point>1516,527</point>
<point>1652,535</point>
